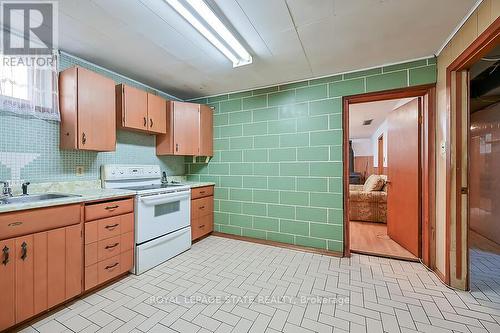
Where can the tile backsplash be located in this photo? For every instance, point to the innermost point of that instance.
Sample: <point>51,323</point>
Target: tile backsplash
<point>29,147</point>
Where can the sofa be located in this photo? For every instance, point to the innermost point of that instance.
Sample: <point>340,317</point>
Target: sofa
<point>368,202</point>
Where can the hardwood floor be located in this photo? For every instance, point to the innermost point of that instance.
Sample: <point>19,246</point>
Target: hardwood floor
<point>479,242</point>
<point>371,238</point>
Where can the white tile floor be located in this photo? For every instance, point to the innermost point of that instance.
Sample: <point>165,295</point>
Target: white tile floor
<point>360,294</point>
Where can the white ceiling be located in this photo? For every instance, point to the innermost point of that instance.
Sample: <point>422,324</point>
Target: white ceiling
<point>289,39</point>
<point>378,111</point>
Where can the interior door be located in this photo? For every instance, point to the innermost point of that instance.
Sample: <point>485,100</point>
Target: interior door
<point>186,128</point>
<point>135,108</point>
<point>157,114</point>
<point>403,162</point>
<point>96,112</point>
<point>7,281</point>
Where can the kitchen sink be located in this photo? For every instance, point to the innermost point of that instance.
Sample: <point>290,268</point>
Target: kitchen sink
<point>34,198</point>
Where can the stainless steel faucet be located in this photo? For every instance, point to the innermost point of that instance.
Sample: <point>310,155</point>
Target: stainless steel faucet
<point>6,190</point>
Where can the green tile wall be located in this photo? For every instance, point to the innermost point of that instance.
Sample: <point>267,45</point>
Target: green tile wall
<point>42,137</point>
<point>278,155</point>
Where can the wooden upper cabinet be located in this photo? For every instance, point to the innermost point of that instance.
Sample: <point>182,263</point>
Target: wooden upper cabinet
<point>131,108</point>
<point>186,123</point>
<point>189,130</point>
<point>206,131</point>
<point>157,114</point>
<point>87,106</point>
<point>139,110</point>
<point>182,130</point>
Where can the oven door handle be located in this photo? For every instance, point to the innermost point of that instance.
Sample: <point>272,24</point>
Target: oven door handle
<point>154,200</point>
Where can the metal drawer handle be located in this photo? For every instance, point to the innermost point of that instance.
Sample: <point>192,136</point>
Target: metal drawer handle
<point>201,226</point>
<point>5,255</point>
<point>150,122</point>
<point>15,224</point>
<point>112,266</point>
<point>202,207</point>
<point>112,226</point>
<point>145,122</point>
<point>112,207</point>
<point>111,246</point>
<point>84,138</point>
<point>24,251</point>
<point>202,192</point>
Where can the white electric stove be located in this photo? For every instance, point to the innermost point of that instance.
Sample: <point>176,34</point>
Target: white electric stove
<point>162,212</point>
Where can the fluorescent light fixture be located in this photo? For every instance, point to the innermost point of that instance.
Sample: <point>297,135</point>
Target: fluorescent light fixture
<point>223,40</point>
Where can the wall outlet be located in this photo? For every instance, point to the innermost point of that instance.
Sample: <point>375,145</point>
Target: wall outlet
<point>80,170</point>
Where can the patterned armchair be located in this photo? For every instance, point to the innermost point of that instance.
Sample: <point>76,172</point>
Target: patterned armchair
<point>369,206</point>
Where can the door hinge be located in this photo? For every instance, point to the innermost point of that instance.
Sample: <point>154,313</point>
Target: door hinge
<point>464,190</point>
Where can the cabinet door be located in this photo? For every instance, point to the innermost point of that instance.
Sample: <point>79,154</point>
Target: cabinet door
<point>40,265</point>
<point>24,282</point>
<point>157,114</point>
<point>96,112</point>
<point>206,131</point>
<point>165,142</point>
<point>74,260</point>
<point>134,108</point>
<point>186,124</point>
<point>7,278</point>
<point>56,270</point>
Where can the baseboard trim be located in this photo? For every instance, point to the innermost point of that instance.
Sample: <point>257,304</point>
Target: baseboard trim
<point>279,244</point>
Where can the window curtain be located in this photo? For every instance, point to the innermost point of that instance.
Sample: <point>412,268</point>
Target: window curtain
<point>30,89</point>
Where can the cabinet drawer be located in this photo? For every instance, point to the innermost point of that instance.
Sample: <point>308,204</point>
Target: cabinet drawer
<point>202,226</point>
<point>108,269</point>
<point>200,192</point>
<point>91,254</point>
<point>127,261</point>
<point>127,241</point>
<point>202,207</point>
<point>108,209</point>
<point>91,277</point>
<point>16,224</point>
<point>108,248</point>
<point>107,228</point>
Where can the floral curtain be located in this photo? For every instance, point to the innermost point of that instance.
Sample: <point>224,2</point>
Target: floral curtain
<point>29,87</point>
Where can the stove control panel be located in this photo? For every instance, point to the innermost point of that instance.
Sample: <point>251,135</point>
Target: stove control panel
<point>124,171</point>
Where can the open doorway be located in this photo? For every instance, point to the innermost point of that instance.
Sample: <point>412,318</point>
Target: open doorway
<point>389,174</point>
<point>384,185</point>
<point>484,182</point>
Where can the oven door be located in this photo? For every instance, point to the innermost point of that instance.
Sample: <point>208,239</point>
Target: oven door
<point>161,214</point>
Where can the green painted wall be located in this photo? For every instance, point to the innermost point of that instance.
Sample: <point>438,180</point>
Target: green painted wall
<point>278,155</point>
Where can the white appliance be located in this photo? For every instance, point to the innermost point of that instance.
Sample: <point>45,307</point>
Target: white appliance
<point>162,212</point>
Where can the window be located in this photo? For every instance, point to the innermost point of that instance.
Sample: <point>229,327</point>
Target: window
<point>29,89</point>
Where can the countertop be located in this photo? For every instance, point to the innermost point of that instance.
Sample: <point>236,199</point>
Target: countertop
<point>82,195</point>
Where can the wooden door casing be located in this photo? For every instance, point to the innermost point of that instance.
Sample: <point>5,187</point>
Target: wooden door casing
<point>380,162</point>
<point>96,112</point>
<point>7,281</point>
<point>157,114</point>
<point>403,191</point>
<point>186,125</point>
<point>206,131</point>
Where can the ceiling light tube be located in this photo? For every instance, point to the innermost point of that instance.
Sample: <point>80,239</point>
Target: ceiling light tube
<point>238,55</point>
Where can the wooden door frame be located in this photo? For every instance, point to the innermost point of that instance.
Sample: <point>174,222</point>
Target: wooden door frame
<point>380,167</point>
<point>428,160</point>
<point>483,44</point>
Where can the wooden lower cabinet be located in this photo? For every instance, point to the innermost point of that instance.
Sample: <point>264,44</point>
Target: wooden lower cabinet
<point>109,242</point>
<point>202,211</point>
<point>39,271</point>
